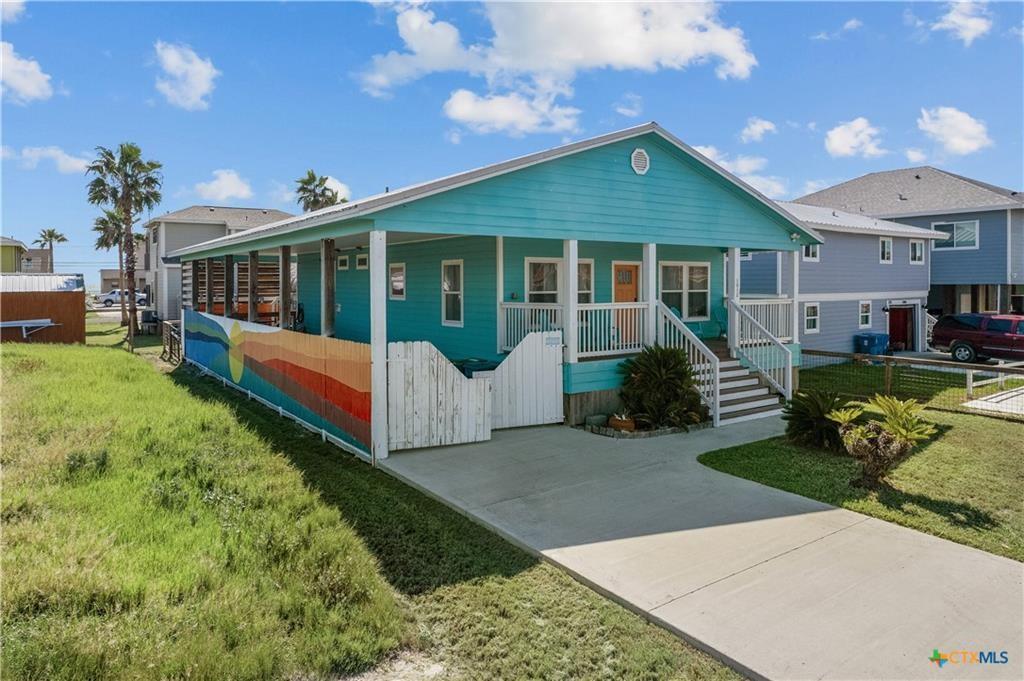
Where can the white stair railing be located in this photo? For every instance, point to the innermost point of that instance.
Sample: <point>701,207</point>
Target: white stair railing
<point>674,334</point>
<point>761,351</point>
<point>774,314</point>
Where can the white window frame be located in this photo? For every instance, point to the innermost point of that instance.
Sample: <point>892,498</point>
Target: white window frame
<point>593,294</point>
<point>362,261</point>
<point>860,314</point>
<point>558,292</point>
<point>686,265</point>
<point>405,282</point>
<point>919,242</point>
<point>461,293</point>
<point>954,247</point>
<point>882,240</point>
<point>816,317</point>
<point>816,257</point>
<point>342,262</point>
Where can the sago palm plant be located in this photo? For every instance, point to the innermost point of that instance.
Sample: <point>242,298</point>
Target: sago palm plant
<point>658,389</point>
<point>807,419</point>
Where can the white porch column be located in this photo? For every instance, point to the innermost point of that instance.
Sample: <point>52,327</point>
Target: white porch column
<point>795,286</point>
<point>500,287</point>
<point>732,293</point>
<point>379,344</point>
<point>570,310</point>
<point>327,287</point>
<point>649,281</point>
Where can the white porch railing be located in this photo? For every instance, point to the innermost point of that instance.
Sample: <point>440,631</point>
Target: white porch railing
<point>762,351</point>
<point>674,334</point>
<point>611,328</point>
<point>519,319</point>
<point>774,314</point>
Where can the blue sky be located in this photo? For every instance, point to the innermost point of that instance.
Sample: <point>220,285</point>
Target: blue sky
<point>239,99</point>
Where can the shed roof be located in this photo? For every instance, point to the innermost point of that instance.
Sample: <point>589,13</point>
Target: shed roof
<point>377,202</point>
<point>831,219</point>
<point>234,218</point>
<point>7,241</point>
<point>914,191</point>
<point>24,282</point>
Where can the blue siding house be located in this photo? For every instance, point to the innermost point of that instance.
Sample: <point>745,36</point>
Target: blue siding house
<point>596,248</point>
<point>868,275</point>
<point>978,264</point>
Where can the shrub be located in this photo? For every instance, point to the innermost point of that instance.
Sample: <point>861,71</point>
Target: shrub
<point>658,389</point>
<point>807,419</point>
<point>881,444</point>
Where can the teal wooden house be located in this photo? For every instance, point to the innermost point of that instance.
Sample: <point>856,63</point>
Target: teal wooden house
<point>542,273</point>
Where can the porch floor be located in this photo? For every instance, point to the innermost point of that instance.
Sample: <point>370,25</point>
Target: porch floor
<point>766,580</point>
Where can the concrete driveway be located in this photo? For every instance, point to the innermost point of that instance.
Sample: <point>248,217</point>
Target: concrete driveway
<point>777,585</point>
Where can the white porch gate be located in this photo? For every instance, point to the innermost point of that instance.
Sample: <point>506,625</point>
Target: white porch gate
<point>527,385</point>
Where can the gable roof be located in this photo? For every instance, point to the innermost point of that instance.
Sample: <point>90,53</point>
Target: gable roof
<point>7,241</point>
<point>378,202</point>
<point>233,218</point>
<point>914,191</point>
<point>833,220</point>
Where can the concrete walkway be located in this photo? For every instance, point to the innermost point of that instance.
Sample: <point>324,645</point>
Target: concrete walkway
<point>777,585</point>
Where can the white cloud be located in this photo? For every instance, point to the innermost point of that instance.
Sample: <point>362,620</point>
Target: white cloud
<point>188,78</point>
<point>915,155</point>
<point>280,193</point>
<point>851,24</point>
<point>7,153</point>
<point>1017,30</point>
<point>967,21</point>
<point>811,186</point>
<point>453,136</point>
<point>340,187</point>
<point>854,138</point>
<point>746,168</point>
<point>537,49</point>
<point>756,129</point>
<point>63,161</point>
<point>225,185</point>
<point>958,132</point>
<point>631,105</point>
<point>11,10</point>
<point>21,79</point>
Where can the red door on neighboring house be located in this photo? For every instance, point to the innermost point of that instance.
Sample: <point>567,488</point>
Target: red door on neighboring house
<point>901,336</point>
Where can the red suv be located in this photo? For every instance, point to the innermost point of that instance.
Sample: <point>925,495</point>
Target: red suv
<point>968,337</point>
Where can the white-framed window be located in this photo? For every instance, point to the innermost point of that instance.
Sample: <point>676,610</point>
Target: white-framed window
<point>685,287</point>
<point>959,235</point>
<point>585,281</point>
<point>812,317</point>
<point>864,314</point>
<point>543,280</point>
<point>916,252</point>
<point>451,293</point>
<point>342,262</point>
<point>812,253</point>
<point>885,250</point>
<point>362,261</point>
<point>396,281</point>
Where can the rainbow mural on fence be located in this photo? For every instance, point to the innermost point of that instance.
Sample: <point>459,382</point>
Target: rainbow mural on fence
<point>323,381</point>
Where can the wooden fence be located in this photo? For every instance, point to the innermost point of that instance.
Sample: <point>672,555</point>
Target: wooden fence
<point>66,308</point>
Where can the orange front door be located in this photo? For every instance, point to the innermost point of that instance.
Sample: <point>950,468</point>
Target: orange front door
<point>626,289</point>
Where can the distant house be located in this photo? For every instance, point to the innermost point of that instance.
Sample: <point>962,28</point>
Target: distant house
<point>110,277</point>
<point>36,260</point>
<point>979,264</point>
<point>868,275</point>
<point>11,252</point>
<point>187,227</point>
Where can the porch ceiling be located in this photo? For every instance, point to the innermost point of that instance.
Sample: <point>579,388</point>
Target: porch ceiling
<point>358,241</point>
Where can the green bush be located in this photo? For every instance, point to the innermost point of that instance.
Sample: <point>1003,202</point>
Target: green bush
<point>658,390</point>
<point>807,419</point>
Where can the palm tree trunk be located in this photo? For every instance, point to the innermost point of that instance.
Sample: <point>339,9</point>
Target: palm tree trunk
<point>129,257</point>
<point>52,270</point>
<point>120,282</point>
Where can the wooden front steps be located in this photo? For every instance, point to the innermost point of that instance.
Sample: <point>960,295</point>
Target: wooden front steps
<point>742,395</point>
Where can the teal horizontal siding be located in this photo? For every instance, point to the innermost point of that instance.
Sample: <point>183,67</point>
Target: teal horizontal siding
<point>308,289</point>
<point>585,377</point>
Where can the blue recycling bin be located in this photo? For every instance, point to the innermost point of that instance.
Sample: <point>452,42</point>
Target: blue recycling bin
<point>871,343</point>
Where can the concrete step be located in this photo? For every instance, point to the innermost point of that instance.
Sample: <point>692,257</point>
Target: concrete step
<point>748,403</point>
<point>749,415</point>
<point>741,393</point>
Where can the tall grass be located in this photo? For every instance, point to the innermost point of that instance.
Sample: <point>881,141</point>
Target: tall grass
<point>148,534</point>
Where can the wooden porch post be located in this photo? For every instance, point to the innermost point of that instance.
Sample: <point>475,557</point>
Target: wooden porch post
<point>327,267</point>
<point>285,286</point>
<point>229,285</point>
<point>195,285</point>
<point>378,345</point>
<point>209,286</point>
<point>732,292</point>
<point>500,284</point>
<point>795,285</point>
<point>649,278</point>
<point>570,310</point>
<point>253,285</point>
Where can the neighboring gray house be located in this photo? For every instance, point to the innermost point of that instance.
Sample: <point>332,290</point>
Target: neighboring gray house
<point>979,264</point>
<point>868,275</point>
<point>187,227</point>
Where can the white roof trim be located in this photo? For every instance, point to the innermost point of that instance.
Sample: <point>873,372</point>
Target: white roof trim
<point>378,202</point>
<point>910,233</point>
<point>951,211</point>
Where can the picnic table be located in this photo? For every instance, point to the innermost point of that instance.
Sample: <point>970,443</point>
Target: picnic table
<point>28,326</point>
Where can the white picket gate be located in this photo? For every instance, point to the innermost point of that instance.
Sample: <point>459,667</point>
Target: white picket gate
<point>430,402</point>
<point>527,385</point>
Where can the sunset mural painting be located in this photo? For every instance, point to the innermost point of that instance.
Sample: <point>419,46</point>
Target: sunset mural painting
<point>323,381</point>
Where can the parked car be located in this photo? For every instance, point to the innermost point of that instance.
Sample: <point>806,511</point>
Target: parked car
<point>968,337</point>
<point>113,297</point>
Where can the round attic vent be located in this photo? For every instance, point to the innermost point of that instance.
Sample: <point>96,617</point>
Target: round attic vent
<point>640,161</point>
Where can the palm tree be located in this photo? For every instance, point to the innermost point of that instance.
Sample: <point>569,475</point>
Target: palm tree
<point>110,230</point>
<point>127,184</point>
<point>47,238</point>
<point>313,193</point>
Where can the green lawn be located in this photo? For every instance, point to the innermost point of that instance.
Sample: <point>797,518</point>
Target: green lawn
<point>161,525</point>
<point>964,485</point>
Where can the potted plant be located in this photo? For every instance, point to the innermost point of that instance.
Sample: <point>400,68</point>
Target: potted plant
<point>622,422</point>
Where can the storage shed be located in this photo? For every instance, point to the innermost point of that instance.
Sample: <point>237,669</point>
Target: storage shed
<point>42,308</point>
